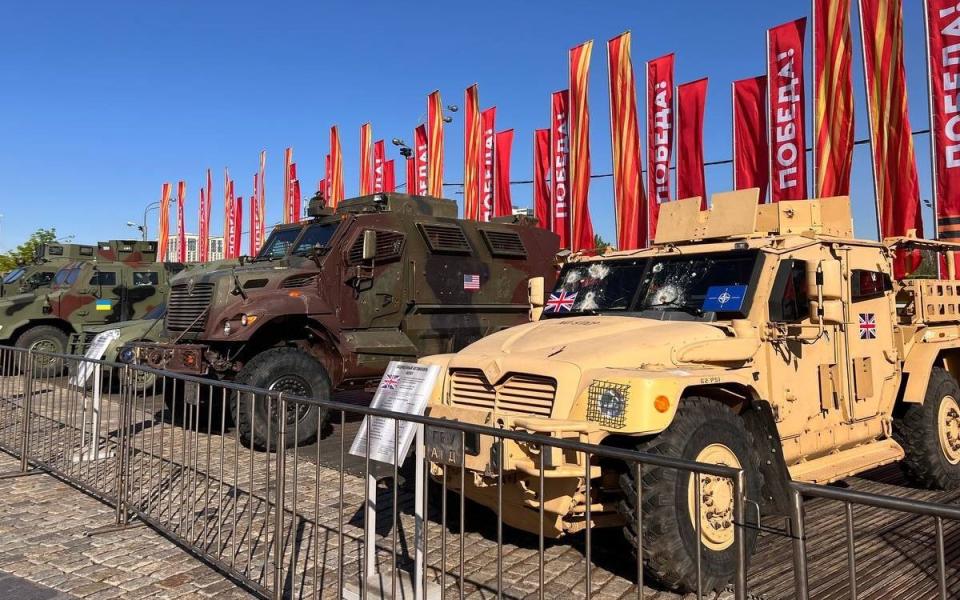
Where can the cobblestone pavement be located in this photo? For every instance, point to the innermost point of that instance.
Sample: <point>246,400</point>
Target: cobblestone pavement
<point>208,491</point>
<point>12,586</point>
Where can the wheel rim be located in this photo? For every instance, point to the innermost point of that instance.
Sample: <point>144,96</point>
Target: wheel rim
<point>948,429</point>
<point>716,499</point>
<point>297,386</point>
<point>45,345</point>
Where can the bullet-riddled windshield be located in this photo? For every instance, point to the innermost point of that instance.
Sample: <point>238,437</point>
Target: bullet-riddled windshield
<point>675,286</point>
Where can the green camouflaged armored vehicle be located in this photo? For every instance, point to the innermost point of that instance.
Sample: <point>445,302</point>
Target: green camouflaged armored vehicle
<point>38,274</point>
<point>329,302</point>
<point>121,283</point>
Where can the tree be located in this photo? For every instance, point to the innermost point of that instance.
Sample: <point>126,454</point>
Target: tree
<point>600,244</point>
<point>25,252</point>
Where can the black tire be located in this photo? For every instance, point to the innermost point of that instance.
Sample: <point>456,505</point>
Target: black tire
<point>669,535</point>
<point>917,431</point>
<point>45,338</point>
<point>287,370</point>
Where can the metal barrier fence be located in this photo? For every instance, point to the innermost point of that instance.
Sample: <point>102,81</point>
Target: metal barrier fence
<point>315,521</point>
<point>286,521</point>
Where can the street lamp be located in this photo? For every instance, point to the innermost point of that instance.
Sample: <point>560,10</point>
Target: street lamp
<point>143,228</point>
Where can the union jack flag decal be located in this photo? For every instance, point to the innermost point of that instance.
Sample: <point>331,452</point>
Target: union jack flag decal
<point>868,326</point>
<point>390,382</point>
<point>561,302</point>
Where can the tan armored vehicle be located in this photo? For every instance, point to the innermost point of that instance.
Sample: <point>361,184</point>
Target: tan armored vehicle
<point>763,337</point>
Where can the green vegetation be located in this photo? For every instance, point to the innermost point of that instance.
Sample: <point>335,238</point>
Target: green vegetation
<point>24,253</point>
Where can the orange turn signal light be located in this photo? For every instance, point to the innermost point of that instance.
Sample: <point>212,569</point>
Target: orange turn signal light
<point>661,403</point>
<point>294,294</point>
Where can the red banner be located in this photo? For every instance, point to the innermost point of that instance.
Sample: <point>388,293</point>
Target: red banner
<point>895,166</point>
<point>471,153</point>
<point>625,140</point>
<point>832,97</point>
<point>228,215</point>
<point>163,226</point>
<point>181,225</point>
<point>750,153</point>
<point>943,25</point>
<point>295,192</point>
<point>659,136</point>
<point>411,184</point>
<point>435,145</point>
<point>327,178</point>
<point>287,161</point>
<point>336,169</point>
<point>504,200</point>
<point>366,159</point>
<point>379,162</point>
<point>203,249</point>
<point>262,200</point>
<point>788,157</point>
<point>237,226</point>
<point>488,189</point>
<point>541,183</point>
<point>582,234</point>
<point>389,177</point>
<point>254,225</point>
<point>421,153</point>
<point>691,181</point>
<point>560,167</point>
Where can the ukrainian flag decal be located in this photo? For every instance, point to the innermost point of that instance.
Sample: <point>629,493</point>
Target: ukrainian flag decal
<point>104,305</point>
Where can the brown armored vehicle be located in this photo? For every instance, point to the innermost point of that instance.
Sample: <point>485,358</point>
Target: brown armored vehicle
<point>764,337</point>
<point>329,302</point>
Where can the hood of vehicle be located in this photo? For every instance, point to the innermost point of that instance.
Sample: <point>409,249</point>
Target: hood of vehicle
<point>593,342</point>
<point>125,326</point>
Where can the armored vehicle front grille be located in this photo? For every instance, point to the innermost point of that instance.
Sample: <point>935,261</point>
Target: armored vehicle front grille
<point>299,281</point>
<point>187,307</point>
<point>504,244</point>
<point>516,394</point>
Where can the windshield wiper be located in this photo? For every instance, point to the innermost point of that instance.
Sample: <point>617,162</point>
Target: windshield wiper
<point>690,310</point>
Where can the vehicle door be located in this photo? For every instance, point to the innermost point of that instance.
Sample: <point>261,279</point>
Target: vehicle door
<point>142,293</point>
<point>804,384</point>
<point>372,290</point>
<point>871,350</point>
<point>106,288</point>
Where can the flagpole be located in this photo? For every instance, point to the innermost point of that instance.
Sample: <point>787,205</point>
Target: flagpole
<point>933,136</point>
<point>770,145</point>
<point>733,129</point>
<point>866,87</point>
<point>646,114</point>
<point>814,88</point>
<point>675,139</point>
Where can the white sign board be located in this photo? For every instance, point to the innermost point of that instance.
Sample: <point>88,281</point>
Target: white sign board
<point>404,388</point>
<point>95,352</point>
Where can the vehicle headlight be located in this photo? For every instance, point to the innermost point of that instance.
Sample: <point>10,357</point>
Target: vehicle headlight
<point>607,403</point>
<point>127,355</point>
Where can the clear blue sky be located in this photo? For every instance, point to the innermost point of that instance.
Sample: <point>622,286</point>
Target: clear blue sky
<point>102,102</point>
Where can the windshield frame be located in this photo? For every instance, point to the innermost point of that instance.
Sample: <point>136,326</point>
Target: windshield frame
<point>16,274</point>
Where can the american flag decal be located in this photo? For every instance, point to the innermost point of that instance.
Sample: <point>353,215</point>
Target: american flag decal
<point>561,302</point>
<point>471,282</point>
<point>390,382</point>
<point>868,326</point>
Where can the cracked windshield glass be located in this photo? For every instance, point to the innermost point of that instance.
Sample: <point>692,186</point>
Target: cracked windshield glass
<point>595,287</point>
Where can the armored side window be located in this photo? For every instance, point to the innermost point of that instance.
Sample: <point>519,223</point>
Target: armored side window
<point>865,285</point>
<point>445,238</point>
<point>789,299</point>
<point>504,244</point>
<point>104,278</point>
<point>146,278</point>
<point>389,247</point>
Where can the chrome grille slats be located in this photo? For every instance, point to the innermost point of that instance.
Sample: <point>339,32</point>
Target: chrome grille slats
<point>186,307</point>
<point>516,393</point>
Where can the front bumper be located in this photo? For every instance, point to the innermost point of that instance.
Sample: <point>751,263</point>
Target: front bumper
<point>190,359</point>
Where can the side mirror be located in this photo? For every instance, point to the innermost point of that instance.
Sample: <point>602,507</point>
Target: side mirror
<point>828,277</point>
<point>369,244</point>
<point>832,311</point>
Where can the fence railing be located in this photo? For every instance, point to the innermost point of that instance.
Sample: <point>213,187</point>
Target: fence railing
<point>180,454</point>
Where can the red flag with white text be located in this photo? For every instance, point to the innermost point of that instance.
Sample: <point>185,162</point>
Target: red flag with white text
<point>660,119</point>
<point>421,153</point>
<point>435,145</point>
<point>750,154</point>
<point>181,225</point>
<point>488,164</point>
<point>379,163</point>
<point>943,25</point>
<point>788,156</point>
<point>560,166</point>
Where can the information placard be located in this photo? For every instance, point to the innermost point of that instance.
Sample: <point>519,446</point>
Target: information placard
<point>404,388</point>
<point>95,352</point>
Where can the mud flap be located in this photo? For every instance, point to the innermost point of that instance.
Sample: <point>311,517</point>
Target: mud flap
<point>758,419</point>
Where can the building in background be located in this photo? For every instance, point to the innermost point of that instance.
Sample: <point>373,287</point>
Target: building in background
<point>193,240</point>
<point>519,210</point>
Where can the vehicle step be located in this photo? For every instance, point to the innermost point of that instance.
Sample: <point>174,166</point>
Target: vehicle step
<point>845,463</point>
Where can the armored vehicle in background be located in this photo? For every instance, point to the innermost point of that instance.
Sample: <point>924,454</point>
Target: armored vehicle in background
<point>115,345</point>
<point>121,283</point>
<point>38,274</point>
<point>757,337</point>
<point>329,302</point>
